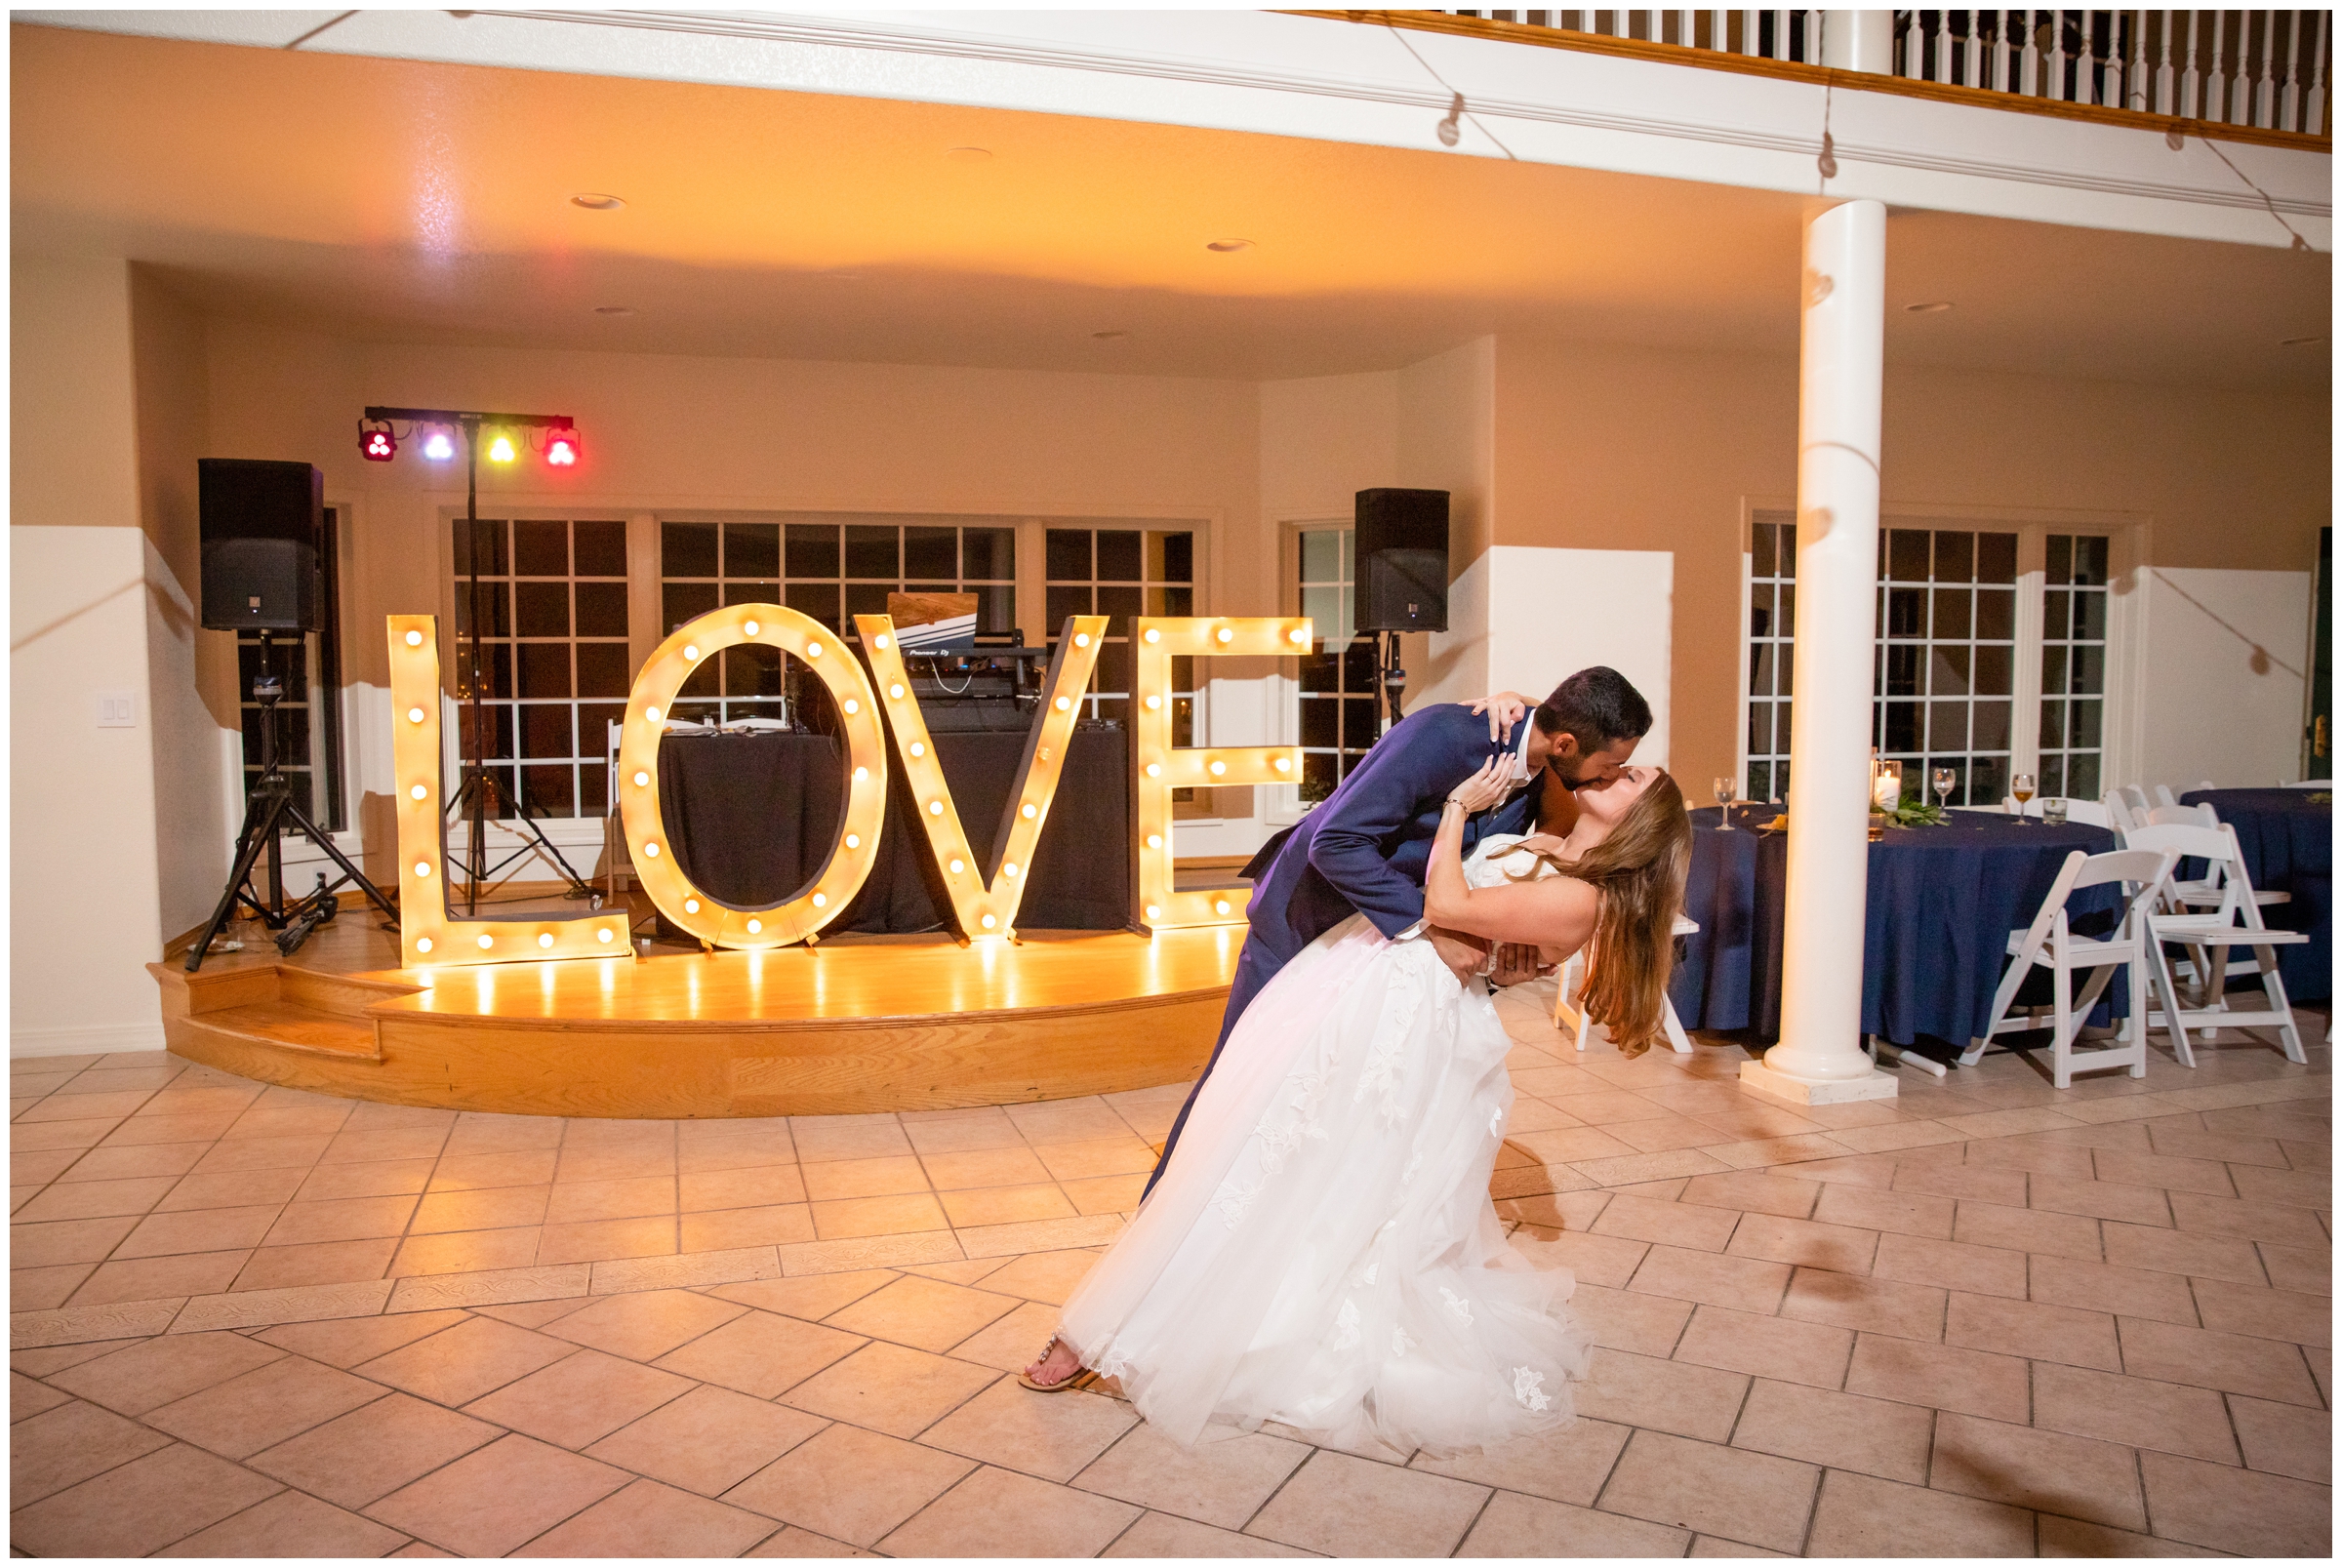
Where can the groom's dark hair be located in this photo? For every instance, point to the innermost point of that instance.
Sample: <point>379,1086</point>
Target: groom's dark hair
<point>1599,705</point>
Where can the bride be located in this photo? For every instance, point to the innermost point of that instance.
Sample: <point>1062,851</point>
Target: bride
<point>1321,1250</point>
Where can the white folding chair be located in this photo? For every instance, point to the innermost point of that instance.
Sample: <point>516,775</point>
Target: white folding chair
<point>2117,812</point>
<point>2201,892</point>
<point>2309,783</point>
<point>1570,1017</point>
<point>2050,944</point>
<point>2209,935</point>
<point>2134,797</point>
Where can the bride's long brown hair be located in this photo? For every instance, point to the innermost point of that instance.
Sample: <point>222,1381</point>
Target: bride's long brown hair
<point>1638,871</point>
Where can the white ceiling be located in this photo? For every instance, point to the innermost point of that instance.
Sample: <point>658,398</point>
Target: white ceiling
<point>403,201</point>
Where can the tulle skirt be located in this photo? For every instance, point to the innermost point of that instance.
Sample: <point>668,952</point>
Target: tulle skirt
<point>1321,1251</point>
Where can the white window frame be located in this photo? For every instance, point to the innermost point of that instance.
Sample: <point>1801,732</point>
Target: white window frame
<point>2129,537</point>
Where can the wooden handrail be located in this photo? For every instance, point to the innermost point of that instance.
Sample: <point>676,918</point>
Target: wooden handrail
<point>1516,32</point>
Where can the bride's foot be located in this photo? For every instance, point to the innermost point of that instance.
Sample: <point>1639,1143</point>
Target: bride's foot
<point>1058,1368</point>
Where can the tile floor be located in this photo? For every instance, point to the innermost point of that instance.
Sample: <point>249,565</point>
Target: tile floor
<point>1986,1318</point>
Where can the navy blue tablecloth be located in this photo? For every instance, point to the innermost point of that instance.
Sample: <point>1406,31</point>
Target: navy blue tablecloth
<point>1941,903</point>
<point>2287,842</point>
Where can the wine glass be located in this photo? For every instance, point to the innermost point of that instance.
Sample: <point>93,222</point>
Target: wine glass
<point>2021,786</point>
<point>1723,797</point>
<point>1945,781</point>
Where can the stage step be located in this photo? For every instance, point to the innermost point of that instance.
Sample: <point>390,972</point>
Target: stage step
<point>289,1027</point>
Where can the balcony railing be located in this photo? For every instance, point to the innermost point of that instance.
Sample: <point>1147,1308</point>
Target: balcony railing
<point>2245,71</point>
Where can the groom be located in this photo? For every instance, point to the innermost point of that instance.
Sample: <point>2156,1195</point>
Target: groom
<point>1366,846</point>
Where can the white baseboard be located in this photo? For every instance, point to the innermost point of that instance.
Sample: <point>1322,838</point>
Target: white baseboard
<point>92,1040</point>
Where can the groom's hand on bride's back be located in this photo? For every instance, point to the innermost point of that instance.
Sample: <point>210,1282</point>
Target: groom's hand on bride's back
<point>1517,963</point>
<point>1460,952</point>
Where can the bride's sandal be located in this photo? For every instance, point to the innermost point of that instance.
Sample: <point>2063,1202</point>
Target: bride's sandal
<point>1079,1377</point>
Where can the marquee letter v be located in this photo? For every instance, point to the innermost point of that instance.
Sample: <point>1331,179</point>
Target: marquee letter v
<point>984,903</point>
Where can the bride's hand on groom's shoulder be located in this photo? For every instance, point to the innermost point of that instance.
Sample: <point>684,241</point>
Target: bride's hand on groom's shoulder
<point>1485,787</point>
<point>1504,709</point>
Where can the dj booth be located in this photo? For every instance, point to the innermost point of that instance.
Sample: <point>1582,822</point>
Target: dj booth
<point>751,816</point>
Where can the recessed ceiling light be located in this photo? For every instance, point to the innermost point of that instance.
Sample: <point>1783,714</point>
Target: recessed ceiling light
<point>594,202</point>
<point>2302,343</point>
<point>613,310</point>
<point>1226,246</point>
<point>969,154</point>
<point>1109,336</point>
<point>1929,308</point>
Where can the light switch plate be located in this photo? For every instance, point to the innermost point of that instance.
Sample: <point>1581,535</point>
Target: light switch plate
<point>117,711</point>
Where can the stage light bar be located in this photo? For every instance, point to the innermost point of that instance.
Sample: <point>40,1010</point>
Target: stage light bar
<point>377,441</point>
<point>1164,766</point>
<point>439,446</point>
<point>985,905</point>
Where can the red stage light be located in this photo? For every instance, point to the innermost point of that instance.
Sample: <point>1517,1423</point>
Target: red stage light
<point>561,447</point>
<point>376,442</point>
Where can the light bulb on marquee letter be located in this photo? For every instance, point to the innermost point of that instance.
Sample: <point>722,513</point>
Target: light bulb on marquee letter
<point>428,933</point>
<point>851,854</point>
<point>1164,766</point>
<point>984,904</point>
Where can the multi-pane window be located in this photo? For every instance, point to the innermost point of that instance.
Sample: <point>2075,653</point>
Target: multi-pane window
<point>554,665</point>
<point>1123,573</point>
<point>829,568</point>
<point>1947,648</point>
<point>1947,659</point>
<point>2074,612</point>
<point>1772,628</point>
<point>1338,676</point>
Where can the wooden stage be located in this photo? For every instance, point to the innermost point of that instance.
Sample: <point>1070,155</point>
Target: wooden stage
<point>856,1025</point>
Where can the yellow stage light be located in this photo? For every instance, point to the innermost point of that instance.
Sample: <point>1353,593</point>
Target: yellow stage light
<point>981,902</point>
<point>849,863</point>
<point>501,450</point>
<point>1167,767</point>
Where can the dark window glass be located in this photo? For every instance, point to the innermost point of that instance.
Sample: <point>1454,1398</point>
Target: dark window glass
<point>601,609</point>
<point>874,552</point>
<point>490,533</point>
<point>544,669</point>
<point>495,607</point>
<point>1179,557</point>
<point>2089,560</point>
<point>813,550</point>
<point>2089,617</point>
<point>1907,613</point>
<point>1065,601</point>
<point>816,599</point>
<point>1995,557</point>
<point>539,548</point>
<point>1907,555</point>
<point>1951,612</point>
<point>1761,550</point>
<point>1069,554</point>
<point>1116,668</point>
<point>2054,622</point>
<point>687,550</point>
<point>1320,722</point>
<point>752,549</point>
<point>931,552</point>
<point>2061,558</point>
<point>1954,557</point>
<point>1122,604</point>
<point>2081,776</point>
<point>1993,677</point>
<point>988,554</point>
<point>2053,670</point>
<point>601,548</point>
<point>679,602</point>
<point>1118,555</point>
<point>751,670</point>
<point>551,791</point>
<point>752,593</point>
<point>1902,727</point>
<point>602,670</point>
<point>1988,732</point>
<point>867,599</point>
<point>1948,726</point>
<point>996,609</point>
<point>1948,671</point>
<point>544,608</point>
<point>1995,615</point>
<point>544,730</point>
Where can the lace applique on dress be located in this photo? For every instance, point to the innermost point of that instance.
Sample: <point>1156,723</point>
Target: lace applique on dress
<point>1496,1122</point>
<point>1458,1304</point>
<point>1346,1327</point>
<point>1401,1342</point>
<point>1235,1199</point>
<point>1381,1073</point>
<point>1528,1388</point>
<point>1407,1176</point>
<point>1113,1363</point>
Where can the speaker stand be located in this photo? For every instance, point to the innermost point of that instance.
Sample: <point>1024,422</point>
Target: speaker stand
<point>482,799</point>
<point>1394,681</point>
<point>268,811</point>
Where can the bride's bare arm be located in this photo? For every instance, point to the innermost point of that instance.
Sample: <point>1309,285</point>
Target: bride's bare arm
<point>1554,913</point>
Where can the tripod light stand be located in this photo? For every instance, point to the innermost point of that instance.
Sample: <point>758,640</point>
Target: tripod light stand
<point>482,797</point>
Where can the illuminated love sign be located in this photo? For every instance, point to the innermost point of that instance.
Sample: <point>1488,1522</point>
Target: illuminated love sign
<point>984,901</point>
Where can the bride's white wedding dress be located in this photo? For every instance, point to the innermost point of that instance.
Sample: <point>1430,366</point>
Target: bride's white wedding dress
<point>1321,1251</point>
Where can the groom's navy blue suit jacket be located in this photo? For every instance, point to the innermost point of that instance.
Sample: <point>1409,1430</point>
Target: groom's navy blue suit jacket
<point>1364,849</point>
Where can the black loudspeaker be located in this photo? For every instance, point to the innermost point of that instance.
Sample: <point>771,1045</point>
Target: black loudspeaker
<point>1402,560</point>
<point>263,523</point>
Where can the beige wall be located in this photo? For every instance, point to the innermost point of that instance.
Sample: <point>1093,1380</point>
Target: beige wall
<point>1629,448</point>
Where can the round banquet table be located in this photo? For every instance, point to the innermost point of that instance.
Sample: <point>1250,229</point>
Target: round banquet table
<point>1941,903</point>
<point>2288,841</point>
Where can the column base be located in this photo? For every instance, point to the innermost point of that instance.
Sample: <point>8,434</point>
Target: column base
<point>1759,1079</point>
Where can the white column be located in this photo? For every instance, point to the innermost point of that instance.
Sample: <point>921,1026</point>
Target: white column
<point>1859,40</point>
<point>1820,1058</point>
